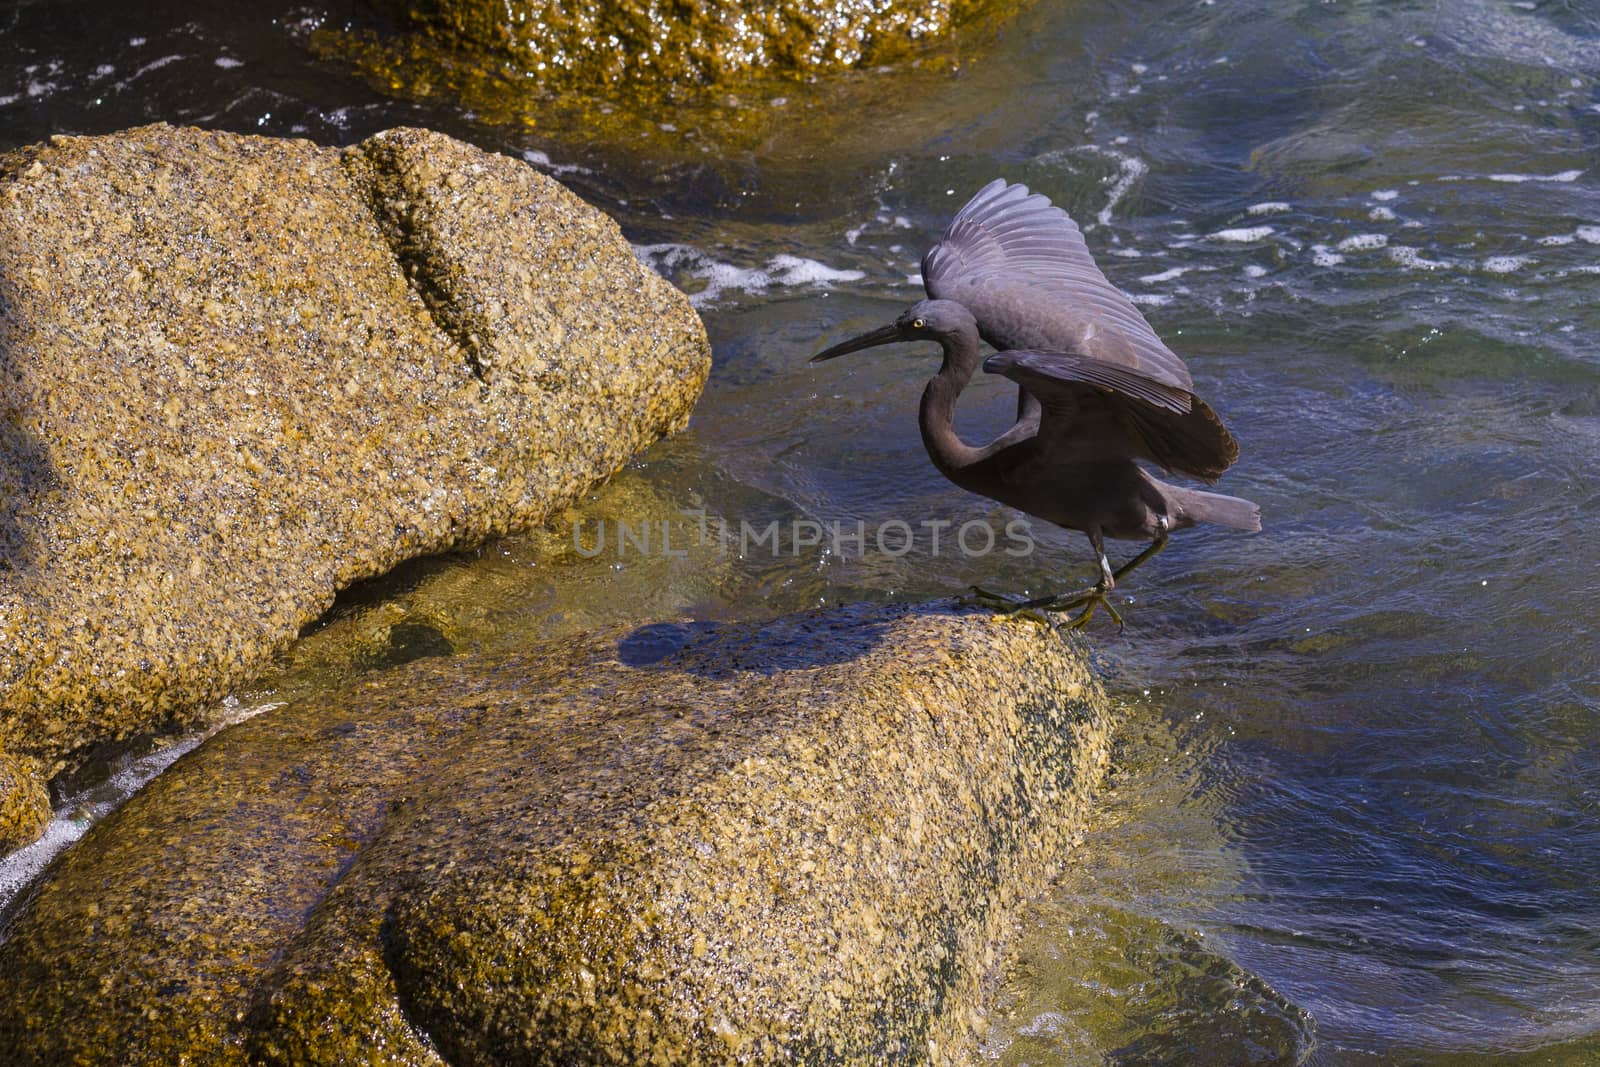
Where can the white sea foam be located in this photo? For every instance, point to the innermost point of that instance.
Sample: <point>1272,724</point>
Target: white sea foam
<point>1385,194</point>
<point>228,62</point>
<point>24,865</point>
<point>1151,299</point>
<point>1268,207</point>
<point>1563,176</point>
<point>1588,234</point>
<point>720,277</point>
<point>1131,169</point>
<point>82,810</point>
<point>1322,256</point>
<point>1412,259</point>
<point>1507,264</point>
<point>339,117</point>
<point>1381,214</point>
<point>1557,239</point>
<point>1363,242</point>
<point>1243,234</point>
<point>543,161</point>
<point>1166,275</point>
<point>1254,270</point>
<point>154,64</point>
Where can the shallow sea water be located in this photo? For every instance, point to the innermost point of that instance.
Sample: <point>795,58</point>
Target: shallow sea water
<point>1353,816</point>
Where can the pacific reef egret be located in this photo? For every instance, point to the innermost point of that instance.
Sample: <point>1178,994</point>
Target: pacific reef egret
<point>1099,390</point>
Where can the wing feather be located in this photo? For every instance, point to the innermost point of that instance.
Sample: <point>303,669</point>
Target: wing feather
<point>1051,374</point>
<point>1166,423</point>
<point>1020,265</point>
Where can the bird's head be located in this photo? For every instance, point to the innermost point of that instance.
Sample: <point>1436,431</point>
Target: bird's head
<point>926,320</point>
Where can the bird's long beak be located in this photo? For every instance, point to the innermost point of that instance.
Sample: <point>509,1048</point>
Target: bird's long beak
<point>884,336</point>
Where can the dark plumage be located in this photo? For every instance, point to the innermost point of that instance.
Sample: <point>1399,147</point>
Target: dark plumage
<point>1099,389</point>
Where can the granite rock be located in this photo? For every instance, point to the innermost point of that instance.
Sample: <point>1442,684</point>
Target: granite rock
<point>611,42</point>
<point>238,374</point>
<point>797,841</point>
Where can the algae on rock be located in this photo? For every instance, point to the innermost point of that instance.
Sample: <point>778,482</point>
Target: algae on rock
<point>240,373</point>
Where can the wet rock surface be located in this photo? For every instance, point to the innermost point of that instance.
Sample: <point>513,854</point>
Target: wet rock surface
<point>797,841</point>
<point>24,804</point>
<point>631,41</point>
<point>695,89</point>
<point>238,374</point>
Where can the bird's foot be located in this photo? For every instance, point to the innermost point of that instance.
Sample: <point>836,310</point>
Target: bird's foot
<point>1045,608</point>
<point>1008,606</point>
<point>1063,601</point>
<point>1089,600</point>
<point>1097,599</point>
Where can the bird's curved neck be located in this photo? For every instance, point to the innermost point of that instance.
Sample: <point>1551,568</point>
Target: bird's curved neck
<point>938,413</point>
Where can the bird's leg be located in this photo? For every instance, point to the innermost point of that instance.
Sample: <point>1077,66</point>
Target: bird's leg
<point>1090,599</point>
<point>1151,549</point>
<point>1010,605</point>
<point>1097,596</point>
<point>1067,601</point>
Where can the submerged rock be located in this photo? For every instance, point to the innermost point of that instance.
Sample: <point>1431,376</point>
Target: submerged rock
<point>238,374</point>
<point>791,842</point>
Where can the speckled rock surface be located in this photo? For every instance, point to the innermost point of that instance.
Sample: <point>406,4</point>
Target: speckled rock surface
<point>790,842</point>
<point>24,804</point>
<point>607,42</point>
<point>237,374</point>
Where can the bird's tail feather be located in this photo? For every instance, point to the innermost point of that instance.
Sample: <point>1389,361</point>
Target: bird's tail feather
<point>1192,505</point>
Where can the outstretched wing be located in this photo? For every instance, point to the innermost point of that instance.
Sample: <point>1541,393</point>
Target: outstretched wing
<point>1020,265</point>
<point>1094,405</point>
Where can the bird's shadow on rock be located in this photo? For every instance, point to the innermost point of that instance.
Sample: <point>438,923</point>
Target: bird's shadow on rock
<point>821,638</point>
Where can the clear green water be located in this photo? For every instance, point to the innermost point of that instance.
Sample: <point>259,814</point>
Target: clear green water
<point>1354,816</point>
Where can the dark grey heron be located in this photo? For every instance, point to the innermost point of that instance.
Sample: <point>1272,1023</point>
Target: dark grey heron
<point>1099,389</point>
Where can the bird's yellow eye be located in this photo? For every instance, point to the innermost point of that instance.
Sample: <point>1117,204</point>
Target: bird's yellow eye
<point>917,324</point>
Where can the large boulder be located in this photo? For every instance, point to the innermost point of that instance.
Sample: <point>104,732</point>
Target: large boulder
<point>791,842</point>
<point>238,374</point>
<point>693,103</point>
<point>611,42</point>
